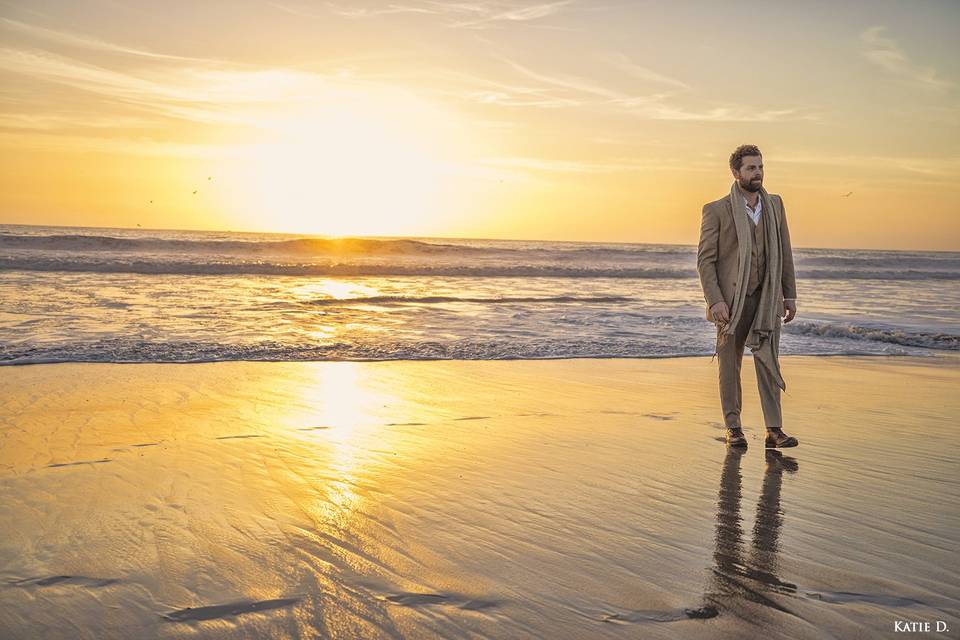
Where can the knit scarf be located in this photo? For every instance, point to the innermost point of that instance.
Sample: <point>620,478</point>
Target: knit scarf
<point>764,336</point>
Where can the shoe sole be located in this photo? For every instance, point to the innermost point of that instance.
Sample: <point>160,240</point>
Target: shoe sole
<point>786,445</point>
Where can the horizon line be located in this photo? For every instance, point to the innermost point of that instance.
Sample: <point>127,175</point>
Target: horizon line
<point>346,237</point>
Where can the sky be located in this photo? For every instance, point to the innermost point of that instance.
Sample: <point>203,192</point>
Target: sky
<point>560,120</point>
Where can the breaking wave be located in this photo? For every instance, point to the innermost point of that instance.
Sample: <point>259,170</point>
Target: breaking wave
<point>140,265</point>
<point>298,246</point>
<point>902,337</point>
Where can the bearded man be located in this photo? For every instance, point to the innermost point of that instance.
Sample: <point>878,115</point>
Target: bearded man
<point>745,263</point>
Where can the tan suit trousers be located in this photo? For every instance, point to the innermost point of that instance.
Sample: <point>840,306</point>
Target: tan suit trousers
<point>730,356</point>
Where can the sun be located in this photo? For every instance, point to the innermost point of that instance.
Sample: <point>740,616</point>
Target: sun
<point>340,170</point>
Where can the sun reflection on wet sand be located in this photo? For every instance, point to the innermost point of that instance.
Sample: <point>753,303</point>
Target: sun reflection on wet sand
<point>345,405</point>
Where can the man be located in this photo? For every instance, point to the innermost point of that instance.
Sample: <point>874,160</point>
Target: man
<point>745,263</point>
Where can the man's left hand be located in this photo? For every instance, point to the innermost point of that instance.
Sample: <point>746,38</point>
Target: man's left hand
<point>790,307</point>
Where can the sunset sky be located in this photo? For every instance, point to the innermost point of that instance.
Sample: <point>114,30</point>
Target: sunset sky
<point>567,120</point>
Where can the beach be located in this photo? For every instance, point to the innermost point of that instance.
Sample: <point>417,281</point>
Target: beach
<point>569,498</point>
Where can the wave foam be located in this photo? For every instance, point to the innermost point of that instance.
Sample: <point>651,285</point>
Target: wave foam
<point>943,341</point>
<point>128,350</point>
<point>487,270</point>
<point>456,299</point>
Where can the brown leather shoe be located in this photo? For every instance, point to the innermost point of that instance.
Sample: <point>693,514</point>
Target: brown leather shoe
<point>735,437</point>
<point>777,439</point>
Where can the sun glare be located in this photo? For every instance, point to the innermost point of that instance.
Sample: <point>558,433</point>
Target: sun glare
<point>354,170</point>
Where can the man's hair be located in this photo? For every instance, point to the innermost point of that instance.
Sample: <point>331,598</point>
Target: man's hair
<point>736,158</point>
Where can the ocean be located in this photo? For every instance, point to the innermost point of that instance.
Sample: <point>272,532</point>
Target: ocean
<point>72,294</point>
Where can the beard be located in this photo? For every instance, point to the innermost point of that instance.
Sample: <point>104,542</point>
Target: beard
<point>752,187</point>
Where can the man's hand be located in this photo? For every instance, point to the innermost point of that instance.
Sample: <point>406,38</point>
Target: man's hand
<point>720,312</point>
<point>790,308</point>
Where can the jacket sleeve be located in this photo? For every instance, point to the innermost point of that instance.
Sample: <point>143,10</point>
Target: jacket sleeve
<point>707,256</point>
<point>789,280</point>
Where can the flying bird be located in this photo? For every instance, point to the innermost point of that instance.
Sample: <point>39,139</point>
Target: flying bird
<point>847,195</point>
<point>194,192</point>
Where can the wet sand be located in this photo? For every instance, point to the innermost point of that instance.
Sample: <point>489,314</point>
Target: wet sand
<point>522,499</point>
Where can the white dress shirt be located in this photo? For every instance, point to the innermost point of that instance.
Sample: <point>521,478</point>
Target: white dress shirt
<point>754,213</point>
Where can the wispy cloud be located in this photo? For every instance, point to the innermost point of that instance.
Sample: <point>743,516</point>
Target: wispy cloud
<point>728,113</point>
<point>200,94</point>
<point>567,166</point>
<point>203,93</point>
<point>509,13</point>
<point>945,167</point>
<point>143,146</point>
<point>346,11</point>
<point>455,84</point>
<point>353,11</point>
<point>472,15</point>
<point>580,92</point>
<point>605,166</point>
<point>83,41</point>
<point>624,64</point>
<point>237,102</point>
<point>886,53</point>
<point>565,82</point>
<point>68,120</point>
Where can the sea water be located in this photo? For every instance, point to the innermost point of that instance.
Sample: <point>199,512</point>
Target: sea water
<point>71,294</point>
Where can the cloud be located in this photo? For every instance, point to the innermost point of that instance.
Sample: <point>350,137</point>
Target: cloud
<point>566,82</point>
<point>578,92</point>
<point>729,113</point>
<point>515,14</point>
<point>143,146</point>
<point>67,120</point>
<point>351,11</point>
<point>199,94</point>
<point>239,103</point>
<point>946,168</point>
<point>467,87</point>
<point>565,166</point>
<point>204,93</point>
<point>86,42</point>
<point>614,165</point>
<point>623,63</point>
<point>887,54</point>
<point>473,15</point>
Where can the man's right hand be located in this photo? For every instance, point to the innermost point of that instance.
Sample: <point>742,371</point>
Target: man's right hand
<point>720,312</point>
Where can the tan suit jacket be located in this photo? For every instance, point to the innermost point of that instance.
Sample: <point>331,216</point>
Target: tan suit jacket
<point>718,255</point>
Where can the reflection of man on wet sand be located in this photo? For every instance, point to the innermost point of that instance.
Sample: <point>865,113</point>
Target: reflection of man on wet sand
<point>745,262</point>
<point>737,579</point>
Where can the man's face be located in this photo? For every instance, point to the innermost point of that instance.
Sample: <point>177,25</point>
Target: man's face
<point>750,175</point>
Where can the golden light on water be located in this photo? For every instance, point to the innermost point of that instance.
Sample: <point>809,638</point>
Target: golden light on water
<point>330,288</point>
